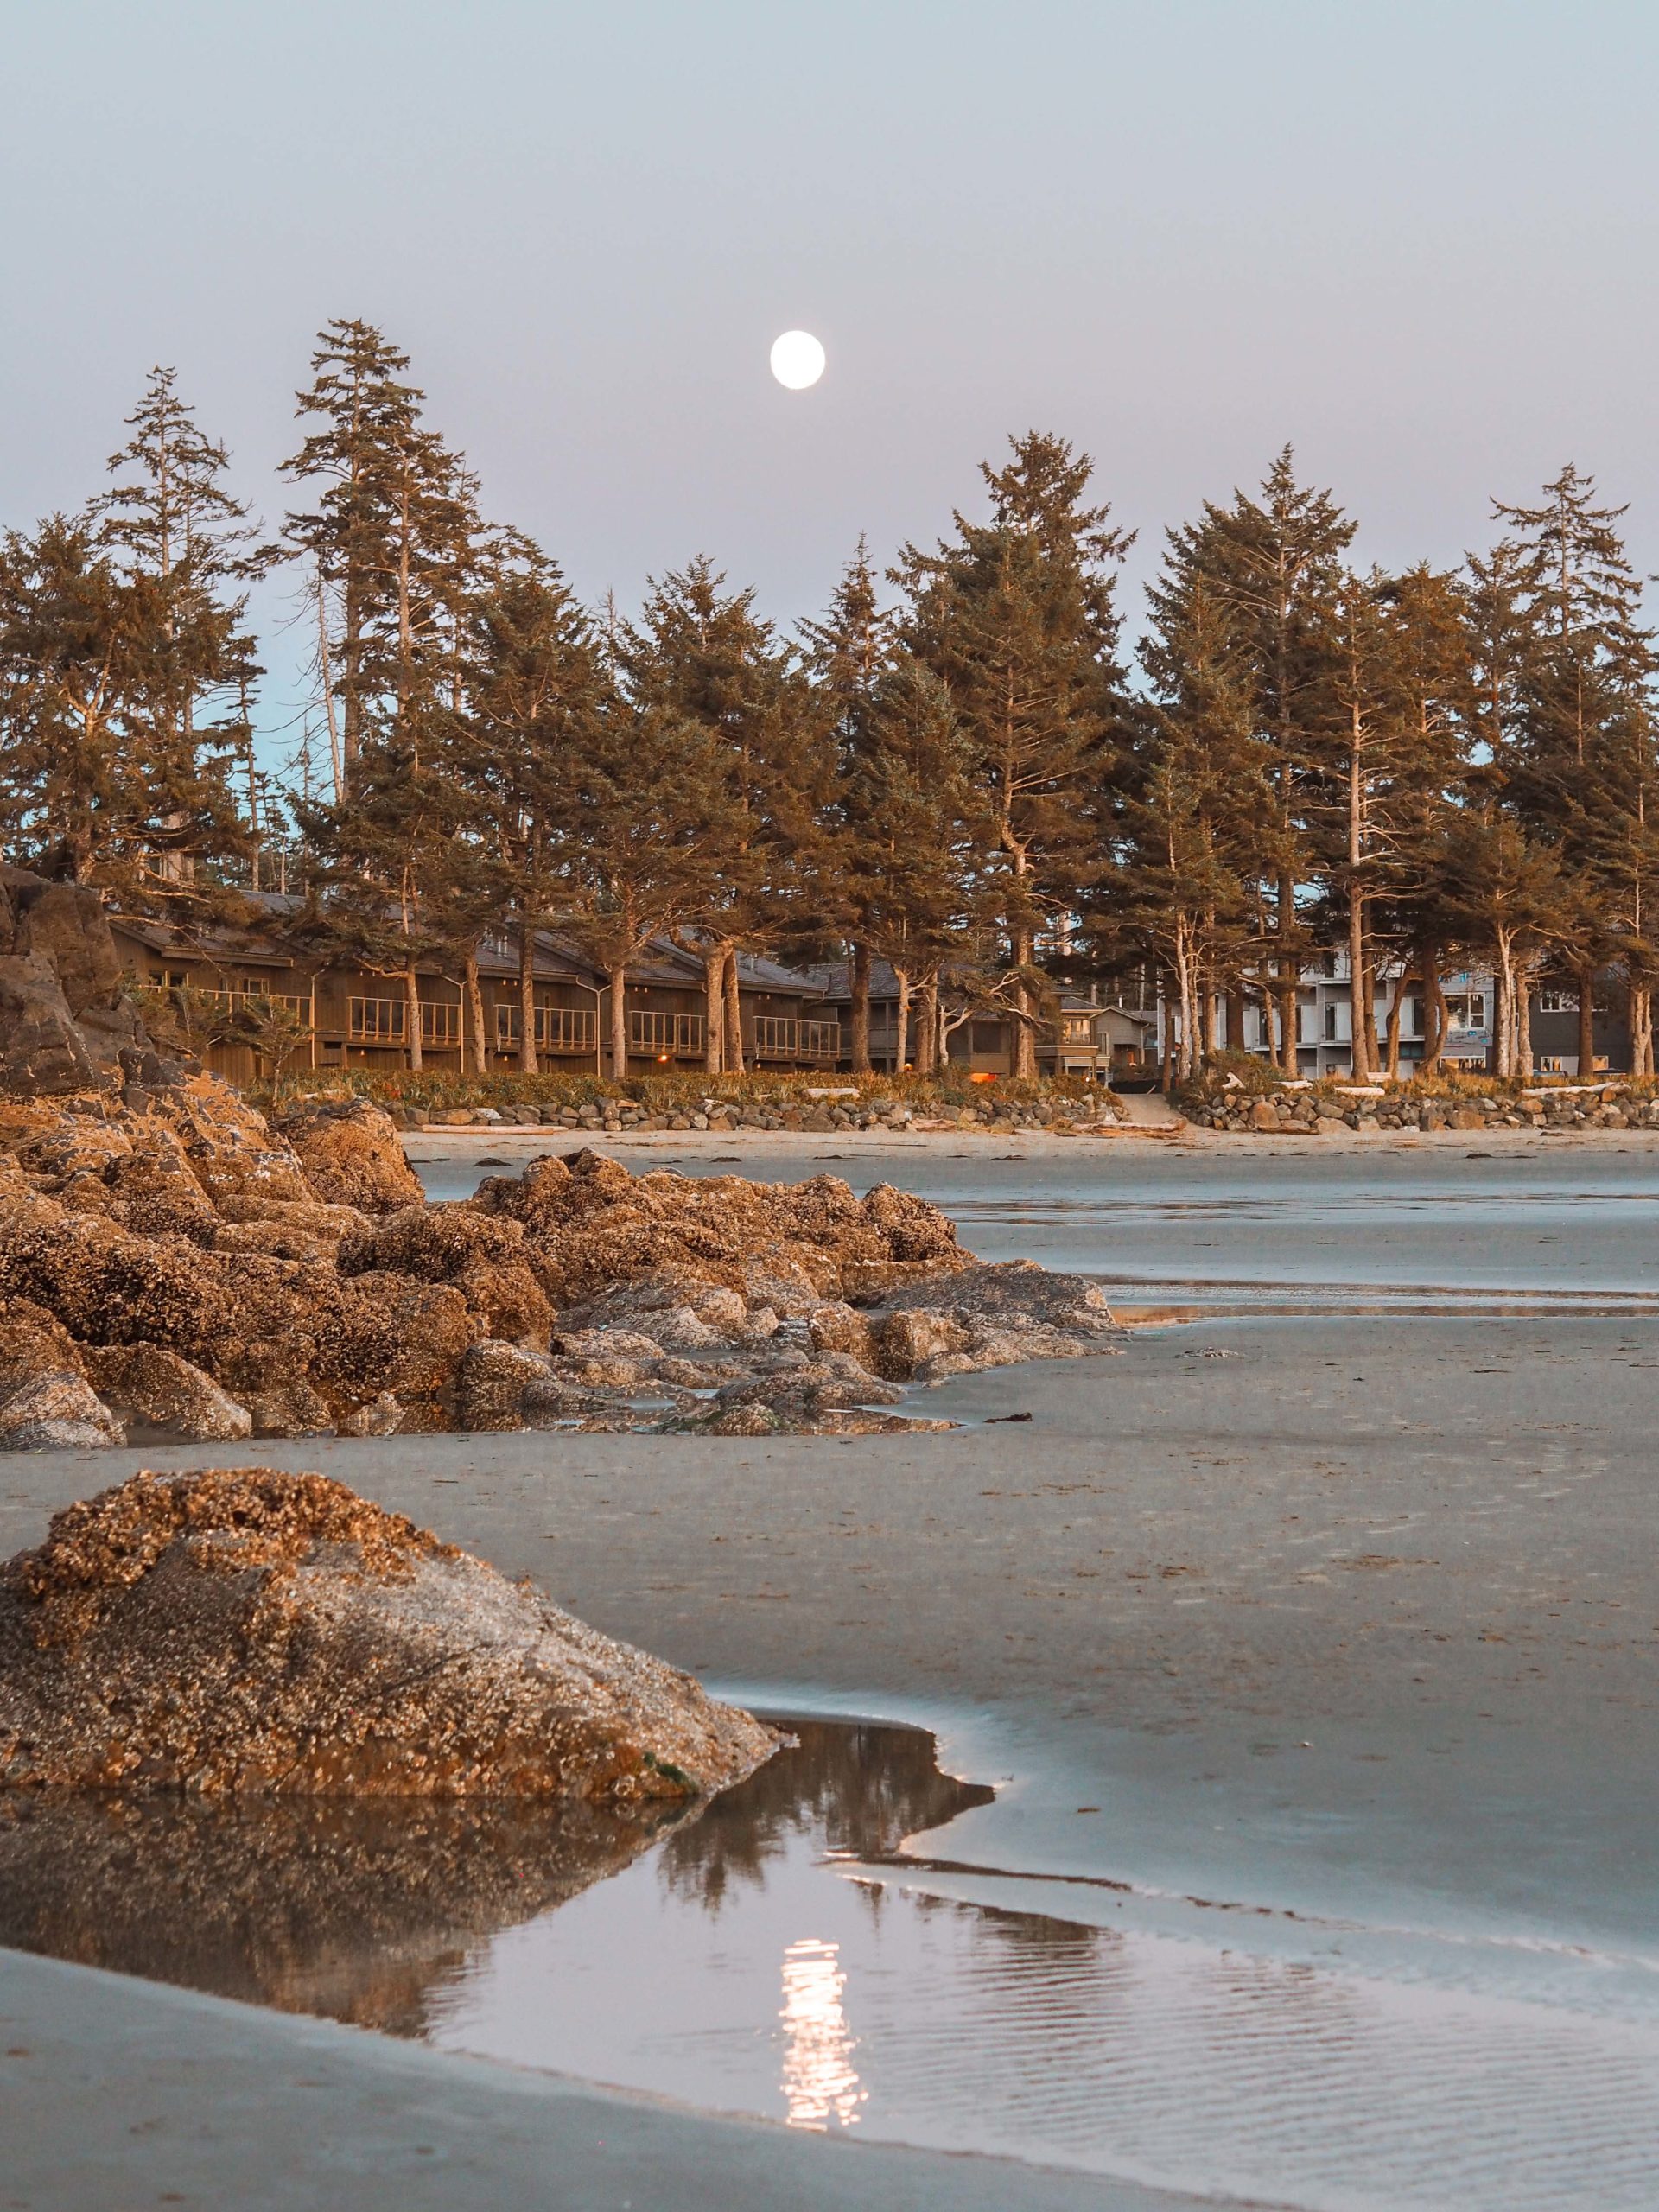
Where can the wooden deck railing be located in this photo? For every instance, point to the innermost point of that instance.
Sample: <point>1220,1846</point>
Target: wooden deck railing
<point>558,1028</point>
<point>382,1021</point>
<point>650,1032</point>
<point>784,1037</point>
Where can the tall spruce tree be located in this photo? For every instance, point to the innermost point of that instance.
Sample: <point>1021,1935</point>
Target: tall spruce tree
<point>847,656</point>
<point>538,687</point>
<point>1017,616</point>
<point>701,654</point>
<point>396,542</point>
<point>1580,695</point>
<point>1192,818</point>
<point>1432,675</point>
<point>1275,561</point>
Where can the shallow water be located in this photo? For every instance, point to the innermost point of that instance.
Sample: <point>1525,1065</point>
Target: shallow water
<point>1555,1228</point>
<point>779,1954</point>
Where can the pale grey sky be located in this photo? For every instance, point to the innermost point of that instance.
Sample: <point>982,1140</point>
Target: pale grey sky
<point>1415,238</point>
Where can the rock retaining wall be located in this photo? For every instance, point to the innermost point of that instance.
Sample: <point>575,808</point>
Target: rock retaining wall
<point>1329,1111</point>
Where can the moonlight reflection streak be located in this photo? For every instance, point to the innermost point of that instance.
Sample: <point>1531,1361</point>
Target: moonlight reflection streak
<point>820,2083</point>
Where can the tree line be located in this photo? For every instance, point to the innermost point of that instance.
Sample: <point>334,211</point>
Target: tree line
<point>957,768</point>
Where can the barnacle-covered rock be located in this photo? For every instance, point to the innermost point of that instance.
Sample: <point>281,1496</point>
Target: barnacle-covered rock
<point>157,1395</point>
<point>353,1156</point>
<point>253,1631</point>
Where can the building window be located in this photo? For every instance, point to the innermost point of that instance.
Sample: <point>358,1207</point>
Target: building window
<point>170,979</point>
<point>1330,1025</point>
<point>1558,1002</point>
<point>1467,1010</point>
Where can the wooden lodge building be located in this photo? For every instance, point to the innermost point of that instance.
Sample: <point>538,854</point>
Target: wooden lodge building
<point>356,1016</point>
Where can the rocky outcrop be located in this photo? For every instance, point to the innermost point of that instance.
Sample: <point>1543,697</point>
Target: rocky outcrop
<point>251,1631</point>
<point>65,1018</point>
<point>160,1398</point>
<point>205,1286</point>
<point>352,1157</point>
<point>45,1401</point>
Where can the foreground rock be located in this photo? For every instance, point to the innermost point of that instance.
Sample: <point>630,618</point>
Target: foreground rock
<point>203,1276</point>
<point>251,1632</point>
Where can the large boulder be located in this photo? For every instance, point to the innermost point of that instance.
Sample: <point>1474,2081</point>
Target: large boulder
<point>47,1401</point>
<point>41,1050</point>
<point>483,1255</point>
<point>60,932</point>
<point>158,1396</point>
<point>353,1156</point>
<point>249,1630</point>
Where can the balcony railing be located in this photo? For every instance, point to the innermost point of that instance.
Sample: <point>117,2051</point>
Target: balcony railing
<point>383,1021</point>
<point>558,1028</point>
<point>678,1033</point>
<point>783,1037</point>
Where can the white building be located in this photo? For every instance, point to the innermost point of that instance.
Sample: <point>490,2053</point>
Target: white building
<point>1325,1041</point>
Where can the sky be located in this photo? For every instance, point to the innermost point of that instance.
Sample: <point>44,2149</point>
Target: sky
<point>1415,240</point>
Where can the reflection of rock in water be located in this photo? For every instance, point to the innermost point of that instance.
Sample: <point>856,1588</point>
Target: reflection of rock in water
<point>358,1911</point>
<point>868,1785</point>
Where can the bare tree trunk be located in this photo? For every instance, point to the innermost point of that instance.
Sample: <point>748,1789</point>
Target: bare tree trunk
<point>412,1018</point>
<point>861,1009</point>
<point>1024,1033</point>
<point>1236,1021</point>
<point>1587,982</point>
<point>713,1009</point>
<point>901,1037</point>
<point>734,1060</point>
<point>618,983</point>
<point>1523,1024</point>
<point>927,1025</point>
<point>1499,1059</point>
<point>1428,961</point>
<point>1359,1007</point>
<point>471,1017</point>
<point>529,1059</point>
<point>326,676</point>
<point>1641,1029</point>
<point>1396,1011</point>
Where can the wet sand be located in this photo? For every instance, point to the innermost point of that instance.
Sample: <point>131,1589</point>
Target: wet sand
<point>1341,1626</point>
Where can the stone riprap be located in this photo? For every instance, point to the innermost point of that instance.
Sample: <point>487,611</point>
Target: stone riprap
<point>173,1268</point>
<point>834,1113</point>
<point>1329,1109</point>
<point>246,1631</point>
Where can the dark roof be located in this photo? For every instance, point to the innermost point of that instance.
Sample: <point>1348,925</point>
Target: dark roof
<point>665,966</point>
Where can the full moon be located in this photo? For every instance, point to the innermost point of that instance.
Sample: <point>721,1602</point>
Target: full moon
<point>797,359</point>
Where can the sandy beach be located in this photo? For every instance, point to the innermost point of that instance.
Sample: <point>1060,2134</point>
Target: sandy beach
<point>1324,1640</point>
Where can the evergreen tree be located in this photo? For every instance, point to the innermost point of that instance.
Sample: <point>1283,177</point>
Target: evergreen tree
<point>538,686</point>
<point>847,654</point>
<point>1275,563</point>
<point>1183,895</point>
<point>398,548</point>
<point>699,654</point>
<point>175,520</point>
<point>1017,616</point>
<point>649,792</point>
<point>1580,692</point>
<point>1433,675</point>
